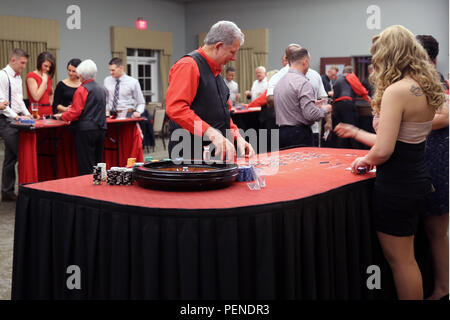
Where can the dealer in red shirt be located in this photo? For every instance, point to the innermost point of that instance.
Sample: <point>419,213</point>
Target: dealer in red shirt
<point>88,118</point>
<point>197,98</point>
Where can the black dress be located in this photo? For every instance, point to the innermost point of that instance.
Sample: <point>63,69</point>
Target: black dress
<point>437,162</point>
<point>63,96</point>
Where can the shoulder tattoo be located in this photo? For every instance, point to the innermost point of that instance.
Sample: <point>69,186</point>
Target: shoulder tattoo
<point>416,91</point>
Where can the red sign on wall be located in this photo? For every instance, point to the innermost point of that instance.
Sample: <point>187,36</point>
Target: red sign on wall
<point>141,24</point>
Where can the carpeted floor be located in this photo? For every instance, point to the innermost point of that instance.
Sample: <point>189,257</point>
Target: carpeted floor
<point>7,211</point>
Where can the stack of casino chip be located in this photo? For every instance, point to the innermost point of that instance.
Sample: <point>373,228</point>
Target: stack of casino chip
<point>244,174</point>
<point>362,170</point>
<point>127,177</point>
<point>120,176</point>
<point>113,177</point>
<point>27,121</point>
<point>97,175</point>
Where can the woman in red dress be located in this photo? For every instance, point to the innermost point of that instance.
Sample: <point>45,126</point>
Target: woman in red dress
<point>39,83</point>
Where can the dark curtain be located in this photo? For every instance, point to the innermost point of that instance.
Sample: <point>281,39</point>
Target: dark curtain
<point>313,248</point>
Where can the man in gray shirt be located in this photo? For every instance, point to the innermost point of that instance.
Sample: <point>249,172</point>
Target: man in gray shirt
<point>294,99</point>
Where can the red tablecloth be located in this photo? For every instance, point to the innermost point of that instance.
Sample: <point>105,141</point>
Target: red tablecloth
<point>301,173</point>
<point>37,149</point>
<point>245,110</point>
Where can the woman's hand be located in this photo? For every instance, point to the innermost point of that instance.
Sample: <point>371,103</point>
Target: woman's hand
<point>45,78</point>
<point>345,130</point>
<point>361,162</point>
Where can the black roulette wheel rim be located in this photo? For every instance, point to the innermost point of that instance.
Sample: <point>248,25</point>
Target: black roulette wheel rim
<point>215,176</point>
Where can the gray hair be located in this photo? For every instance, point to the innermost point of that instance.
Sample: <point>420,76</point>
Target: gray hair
<point>224,31</point>
<point>261,68</point>
<point>87,69</point>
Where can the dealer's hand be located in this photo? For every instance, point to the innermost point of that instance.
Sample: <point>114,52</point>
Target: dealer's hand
<point>224,149</point>
<point>244,148</point>
<point>58,116</point>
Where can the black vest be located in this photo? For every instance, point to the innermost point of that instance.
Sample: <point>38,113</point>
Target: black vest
<point>210,104</point>
<point>93,116</point>
<point>342,88</point>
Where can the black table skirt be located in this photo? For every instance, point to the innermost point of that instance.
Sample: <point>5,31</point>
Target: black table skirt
<point>313,248</point>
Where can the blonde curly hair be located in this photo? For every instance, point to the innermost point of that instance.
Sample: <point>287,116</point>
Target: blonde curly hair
<point>397,53</point>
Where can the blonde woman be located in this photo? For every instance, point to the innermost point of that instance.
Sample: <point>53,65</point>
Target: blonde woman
<point>407,94</point>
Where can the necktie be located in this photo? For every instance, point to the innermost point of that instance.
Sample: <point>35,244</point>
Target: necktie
<point>116,94</point>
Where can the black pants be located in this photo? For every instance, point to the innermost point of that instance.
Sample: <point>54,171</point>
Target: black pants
<point>316,139</point>
<point>345,111</point>
<point>11,137</point>
<point>293,136</point>
<point>89,145</point>
<point>267,121</point>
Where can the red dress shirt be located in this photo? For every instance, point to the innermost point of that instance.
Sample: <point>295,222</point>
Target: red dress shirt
<point>356,85</point>
<point>183,84</point>
<point>78,103</point>
<point>261,100</point>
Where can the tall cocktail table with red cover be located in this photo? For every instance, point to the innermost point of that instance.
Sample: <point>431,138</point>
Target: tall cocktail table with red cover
<point>47,151</point>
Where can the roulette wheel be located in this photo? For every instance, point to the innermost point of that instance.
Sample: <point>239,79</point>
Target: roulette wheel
<point>168,175</point>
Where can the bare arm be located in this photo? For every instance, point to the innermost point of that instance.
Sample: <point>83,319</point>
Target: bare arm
<point>62,108</point>
<point>441,118</point>
<point>35,91</point>
<point>345,130</point>
<point>391,112</point>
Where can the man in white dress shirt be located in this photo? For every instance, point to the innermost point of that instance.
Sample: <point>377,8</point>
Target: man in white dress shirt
<point>124,92</point>
<point>259,85</point>
<point>232,85</point>
<point>12,108</point>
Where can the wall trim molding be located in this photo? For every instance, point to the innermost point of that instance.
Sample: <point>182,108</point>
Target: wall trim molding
<point>123,38</point>
<point>30,29</point>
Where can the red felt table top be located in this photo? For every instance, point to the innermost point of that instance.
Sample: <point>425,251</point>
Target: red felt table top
<point>247,110</point>
<point>300,173</point>
<point>52,123</point>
